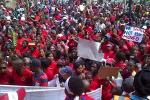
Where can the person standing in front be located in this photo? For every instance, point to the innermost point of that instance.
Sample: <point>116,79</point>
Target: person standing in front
<point>40,78</point>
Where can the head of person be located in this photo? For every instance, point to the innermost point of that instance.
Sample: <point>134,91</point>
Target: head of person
<point>3,67</point>
<point>74,87</point>
<point>35,65</point>
<point>142,83</point>
<point>109,46</point>
<point>120,56</point>
<point>42,53</point>
<point>25,44</point>
<point>18,65</point>
<point>27,61</point>
<point>94,68</point>
<point>65,72</point>
<point>45,62</point>
<point>50,56</point>
<point>79,66</point>
<point>127,85</point>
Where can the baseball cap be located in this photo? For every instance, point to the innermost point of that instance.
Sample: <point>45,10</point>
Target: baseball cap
<point>65,70</point>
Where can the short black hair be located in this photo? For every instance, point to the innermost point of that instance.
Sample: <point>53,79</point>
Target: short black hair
<point>127,85</point>
<point>76,86</point>
<point>78,63</point>
<point>45,62</point>
<point>142,83</point>
<point>18,62</point>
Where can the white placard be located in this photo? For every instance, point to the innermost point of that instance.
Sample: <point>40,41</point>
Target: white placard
<point>133,34</point>
<point>89,50</point>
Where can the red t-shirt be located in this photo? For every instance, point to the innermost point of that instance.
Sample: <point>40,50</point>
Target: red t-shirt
<point>107,88</point>
<point>26,79</point>
<point>5,78</point>
<point>121,64</point>
<point>53,66</point>
<point>41,79</point>
<point>49,73</point>
<point>36,53</point>
<point>94,84</point>
<point>109,54</point>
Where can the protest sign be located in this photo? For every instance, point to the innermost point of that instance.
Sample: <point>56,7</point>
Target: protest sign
<point>89,50</point>
<point>105,72</point>
<point>133,34</point>
<point>45,93</point>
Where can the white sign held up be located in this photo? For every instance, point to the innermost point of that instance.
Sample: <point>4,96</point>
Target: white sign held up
<point>133,34</point>
<point>89,50</point>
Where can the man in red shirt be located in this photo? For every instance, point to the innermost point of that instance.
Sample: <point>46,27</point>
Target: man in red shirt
<point>5,74</point>
<point>40,78</point>
<point>20,74</point>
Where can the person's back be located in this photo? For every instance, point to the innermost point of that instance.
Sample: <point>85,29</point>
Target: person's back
<point>141,85</point>
<point>74,88</point>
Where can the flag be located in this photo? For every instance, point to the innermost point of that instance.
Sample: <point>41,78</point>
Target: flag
<point>15,95</point>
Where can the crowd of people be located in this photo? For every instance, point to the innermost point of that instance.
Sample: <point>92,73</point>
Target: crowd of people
<point>38,44</point>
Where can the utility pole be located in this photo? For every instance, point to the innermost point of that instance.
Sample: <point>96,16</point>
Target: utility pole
<point>125,3</point>
<point>130,11</point>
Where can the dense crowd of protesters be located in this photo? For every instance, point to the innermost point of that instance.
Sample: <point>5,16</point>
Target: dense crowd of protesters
<point>38,45</point>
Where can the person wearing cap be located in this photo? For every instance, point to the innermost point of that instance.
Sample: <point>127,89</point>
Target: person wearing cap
<point>60,78</point>
<point>40,78</point>
<point>65,72</point>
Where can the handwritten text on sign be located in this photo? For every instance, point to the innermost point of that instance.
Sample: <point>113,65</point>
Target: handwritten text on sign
<point>133,34</point>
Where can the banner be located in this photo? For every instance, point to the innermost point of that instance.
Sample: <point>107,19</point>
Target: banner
<point>89,50</point>
<point>133,34</point>
<point>36,93</point>
<point>45,93</point>
<point>14,95</point>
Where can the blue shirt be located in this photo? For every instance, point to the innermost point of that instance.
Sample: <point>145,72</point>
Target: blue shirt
<point>134,97</point>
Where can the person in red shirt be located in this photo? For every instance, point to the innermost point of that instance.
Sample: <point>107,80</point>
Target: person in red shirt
<point>34,51</point>
<point>20,74</point>
<point>120,60</point>
<point>53,64</point>
<point>45,62</point>
<point>108,50</point>
<point>23,48</point>
<point>5,74</point>
<point>40,78</point>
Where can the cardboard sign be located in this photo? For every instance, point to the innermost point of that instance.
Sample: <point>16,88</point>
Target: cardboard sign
<point>133,34</point>
<point>105,72</point>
